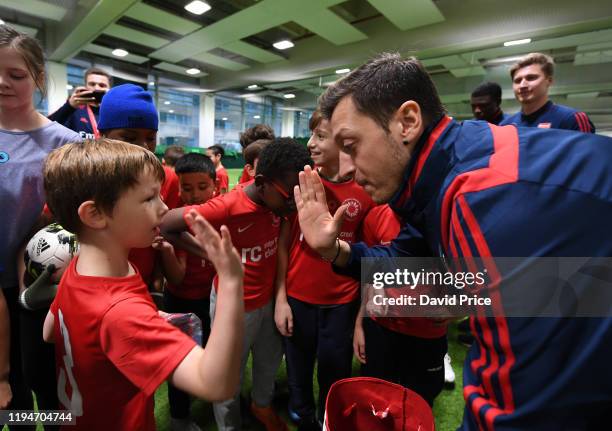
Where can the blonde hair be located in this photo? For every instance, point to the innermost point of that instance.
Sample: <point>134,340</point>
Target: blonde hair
<point>545,61</point>
<point>98,170</point>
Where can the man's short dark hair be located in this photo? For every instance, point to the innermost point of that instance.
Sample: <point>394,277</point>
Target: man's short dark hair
<point>282,156</point>
<point>380,86</point>
<point>489,89</point>
<point>192,163</point>
<point>216,150</point>
<point>172,154</point>
<point>252,134</point>
<point>98,71</point>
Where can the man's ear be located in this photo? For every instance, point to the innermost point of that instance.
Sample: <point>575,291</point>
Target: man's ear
<point>408,122</point>
<point>91,216</point>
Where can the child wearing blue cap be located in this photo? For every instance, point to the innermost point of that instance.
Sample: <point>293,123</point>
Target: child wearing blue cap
<point>127,113</point>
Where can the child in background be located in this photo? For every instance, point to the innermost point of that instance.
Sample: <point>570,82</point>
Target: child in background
<point>189,276</point>
<point>252,213</point>
<point>250,135</point>
<point>112,348</point>
<point>409,351</point>
<point>315,307</point>
<point>251,156</point>
<point>216,153</point>
<point>172,154</point>
<point>128,113</point>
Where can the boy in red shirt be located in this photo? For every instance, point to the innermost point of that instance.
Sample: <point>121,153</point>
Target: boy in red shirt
<point>112,348</point>
<point>216,153</point>
<point>252,214</point>
<point>316,308</point>
<point>249,136</point>
<point>128,113</point>
<point>189,276</point>
<point>405,350</point>
<point>251,156</point>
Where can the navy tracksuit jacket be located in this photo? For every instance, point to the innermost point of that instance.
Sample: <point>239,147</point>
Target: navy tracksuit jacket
<point>475,189</point>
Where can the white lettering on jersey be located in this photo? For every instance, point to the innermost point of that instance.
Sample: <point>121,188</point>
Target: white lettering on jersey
<point>75,405</point>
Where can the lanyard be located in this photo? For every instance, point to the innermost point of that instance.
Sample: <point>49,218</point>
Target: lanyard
<point>93,122</point>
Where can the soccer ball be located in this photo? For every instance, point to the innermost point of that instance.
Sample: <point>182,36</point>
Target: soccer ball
<point>50,245</point>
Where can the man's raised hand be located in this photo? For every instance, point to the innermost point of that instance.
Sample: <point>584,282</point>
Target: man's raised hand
<point>319,227</point>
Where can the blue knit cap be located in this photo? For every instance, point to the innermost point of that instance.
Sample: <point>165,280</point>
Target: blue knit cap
<point>127,106</point>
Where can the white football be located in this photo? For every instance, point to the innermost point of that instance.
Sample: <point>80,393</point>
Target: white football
<point>50,245</point>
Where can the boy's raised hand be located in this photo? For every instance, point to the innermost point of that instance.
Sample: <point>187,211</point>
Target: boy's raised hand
<point>218,248</point>
<point>319,227</point>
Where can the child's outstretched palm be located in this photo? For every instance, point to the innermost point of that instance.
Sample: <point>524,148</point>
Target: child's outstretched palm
<point>218,248</point>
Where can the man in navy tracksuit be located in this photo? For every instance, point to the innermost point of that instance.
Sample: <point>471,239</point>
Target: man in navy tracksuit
<point>475,189</point>
<point>81,111</point>
<point>532,76</point>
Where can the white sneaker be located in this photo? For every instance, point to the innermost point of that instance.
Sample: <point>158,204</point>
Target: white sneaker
<point>183,425</point>
<point>449,373</point>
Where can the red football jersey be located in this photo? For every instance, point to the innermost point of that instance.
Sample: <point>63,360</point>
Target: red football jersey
<point>144,258</point>
<point>309,277</point>
<point>254,230</point>
<point>170,188</point>
<point>199,274</point>
<point>380,227</point>
<point>222,181</point>
<point>112,351</point>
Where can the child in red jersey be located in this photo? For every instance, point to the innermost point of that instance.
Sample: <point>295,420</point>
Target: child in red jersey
<point>128,113</point>
<point>189,276</point>
<point>252,214</point>
<point>405,350</point>
<point>112,348</point>
<point>216,153</point>
<point>315,307</point>
<point>251,156</point>
<point>249,136</point>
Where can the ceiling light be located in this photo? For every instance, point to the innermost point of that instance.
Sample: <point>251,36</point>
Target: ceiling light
<point>257,117</point>
<point>341,71</point>
<point>171,111</point>
<point>119,52</point>
<point>283,44</point>
<point>252,87</point>
<point>517,42</point>
<point>224,119</point>
<point>69,87</point>
<point>167,102</point>
<point>197,7</point>
<point>193,71</point>
<point>289,96</point>
<point>152,84</point>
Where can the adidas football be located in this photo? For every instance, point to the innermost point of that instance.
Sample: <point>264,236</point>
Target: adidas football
<point>50,245</point>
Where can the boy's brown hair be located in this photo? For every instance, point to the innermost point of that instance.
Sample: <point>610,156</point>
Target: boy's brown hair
<point>172,154</point>
<point>98,170</point>
<point>258,131</point>
<point>251,153</point>
<point>546,63</point>
<point>315,120</point>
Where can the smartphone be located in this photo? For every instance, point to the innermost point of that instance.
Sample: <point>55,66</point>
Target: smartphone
<point>98,95</point>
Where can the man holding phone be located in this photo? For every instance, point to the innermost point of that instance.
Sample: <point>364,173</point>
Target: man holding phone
<point>80,112</point>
